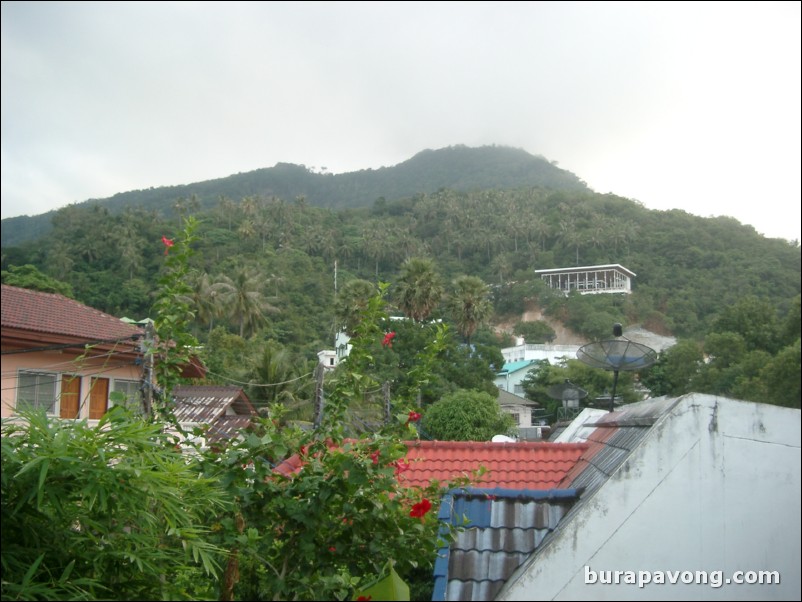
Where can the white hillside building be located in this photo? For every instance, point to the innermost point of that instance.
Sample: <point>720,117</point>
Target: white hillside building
<point>552,353</point>
<point>589,280</point>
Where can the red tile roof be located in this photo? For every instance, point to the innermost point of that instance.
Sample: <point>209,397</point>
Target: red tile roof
<point>519,465</point>
<point>290,466</point>
<point>49,313</point>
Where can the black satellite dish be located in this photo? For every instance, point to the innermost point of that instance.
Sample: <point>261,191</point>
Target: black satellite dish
<point>616,355</point>
<point>569,394</point>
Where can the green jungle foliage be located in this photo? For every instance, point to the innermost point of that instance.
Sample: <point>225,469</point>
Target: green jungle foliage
<point>135,508</point>
<point>280,270</point>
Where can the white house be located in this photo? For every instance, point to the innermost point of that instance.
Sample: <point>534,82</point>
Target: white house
<point>331,357</point>
<point>510,377</point>
<point>523,411</point>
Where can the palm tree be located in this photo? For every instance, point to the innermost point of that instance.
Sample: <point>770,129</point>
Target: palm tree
<point>276,378</point>
<point>418,290</point>
<point>470,305</point>
<point>226,209</point>
<point>351,301</point>
<point>208,298</point>
<point>246,303</point>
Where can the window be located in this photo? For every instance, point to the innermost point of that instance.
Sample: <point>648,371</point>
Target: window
<point>37,391</point>
<point>129,388</point>
<point>516,417</point>
<point>518,389</point>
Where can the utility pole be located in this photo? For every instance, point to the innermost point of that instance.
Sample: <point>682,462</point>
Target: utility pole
<point>387,410</point>
<point>319,371</point>
<point>147,369</point>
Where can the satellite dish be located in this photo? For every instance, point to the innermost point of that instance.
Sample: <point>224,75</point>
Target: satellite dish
<point>616,355</point>
<point>568,393</point>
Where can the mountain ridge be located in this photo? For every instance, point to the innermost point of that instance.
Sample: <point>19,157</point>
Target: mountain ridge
<point>457,167</point>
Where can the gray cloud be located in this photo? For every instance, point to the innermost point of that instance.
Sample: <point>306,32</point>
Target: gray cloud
<point>693,106</point>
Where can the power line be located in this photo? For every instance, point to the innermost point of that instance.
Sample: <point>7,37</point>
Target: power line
<point>132,337</point>
<point>240,382</point>
<point>76,363</point>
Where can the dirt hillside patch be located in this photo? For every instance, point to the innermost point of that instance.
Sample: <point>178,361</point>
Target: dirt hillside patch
<point>565,336</point>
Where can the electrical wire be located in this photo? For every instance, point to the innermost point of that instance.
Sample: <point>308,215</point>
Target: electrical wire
<point>77,344</point>
<point>250,384</point>
<point>105,370</point>
<point>70,362</point>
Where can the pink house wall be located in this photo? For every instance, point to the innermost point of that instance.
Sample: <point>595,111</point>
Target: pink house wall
<point>63,363</point>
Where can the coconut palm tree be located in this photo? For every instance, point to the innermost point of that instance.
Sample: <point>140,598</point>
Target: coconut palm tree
<point>469,305</point>
<point>418,290</point>
<point>351,301</point>
<point>208,297</point>
<point>278,377</point>
<point>245,300</point>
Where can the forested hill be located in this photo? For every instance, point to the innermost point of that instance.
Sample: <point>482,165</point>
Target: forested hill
<point>457,168</point>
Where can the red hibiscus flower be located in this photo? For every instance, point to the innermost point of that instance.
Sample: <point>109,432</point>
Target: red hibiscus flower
<point>420,509</point>
<point>167,244</point>
<point>400,466</point>
<point>388,339</point>
<point>375,457</point>
<point>366,598</point>
<point>413,417</point>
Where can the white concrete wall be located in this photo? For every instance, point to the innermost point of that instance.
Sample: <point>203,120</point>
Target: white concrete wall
<point>524,413</point>
<point>552,353</point>
<point>714,487</point>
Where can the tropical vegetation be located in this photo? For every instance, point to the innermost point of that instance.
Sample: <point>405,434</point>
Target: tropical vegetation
<point>274,278</point>
<point>135,509</point>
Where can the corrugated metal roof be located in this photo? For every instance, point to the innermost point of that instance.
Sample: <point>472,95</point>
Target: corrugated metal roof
<point>510,367</point>
<point>506,532</point>
<point>505,526</point>
<point>226,428</point>
<point>611,437</point>
<point>587,268</point>
<point>519,465</point>
<point>204,404</point>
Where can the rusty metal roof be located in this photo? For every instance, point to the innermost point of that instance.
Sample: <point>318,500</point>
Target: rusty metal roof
<point>226,428</point>
<point>201,404</point>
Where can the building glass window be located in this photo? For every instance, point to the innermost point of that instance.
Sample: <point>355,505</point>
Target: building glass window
<point>37,391</point>
<point>129,388</point>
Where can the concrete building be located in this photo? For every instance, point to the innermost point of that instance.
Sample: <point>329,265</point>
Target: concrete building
<point>589,280</point>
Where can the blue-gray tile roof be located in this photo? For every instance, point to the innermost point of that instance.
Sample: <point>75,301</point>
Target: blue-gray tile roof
<point>502,527</point>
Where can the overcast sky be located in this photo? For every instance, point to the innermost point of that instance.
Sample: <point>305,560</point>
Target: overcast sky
<point>694,106</point>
